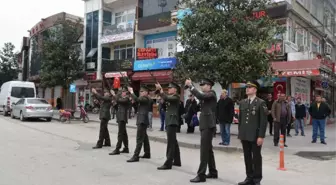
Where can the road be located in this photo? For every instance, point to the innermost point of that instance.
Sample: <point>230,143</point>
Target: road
<point>41,153</point>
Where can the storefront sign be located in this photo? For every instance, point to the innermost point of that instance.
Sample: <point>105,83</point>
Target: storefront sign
<point>154,64</point>
<point>115,33</point>
<point>72,88</point>
<point>37,28</point>
<point>300,88</point>
<point>116,74</point>
<point>308,72</point>
<point>146,53</point>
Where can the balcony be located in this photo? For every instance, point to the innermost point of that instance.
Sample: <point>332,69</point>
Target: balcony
<point>115,4</point>
<point>117,65</point>
<point>155,21</point>
<point>117,32</point>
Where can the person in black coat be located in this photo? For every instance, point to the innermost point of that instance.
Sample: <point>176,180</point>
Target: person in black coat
<point>181,112</point>
<point>225,113</point>
<point>190,110</point>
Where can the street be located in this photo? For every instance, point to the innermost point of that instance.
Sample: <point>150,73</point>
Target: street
<point>52,153</point>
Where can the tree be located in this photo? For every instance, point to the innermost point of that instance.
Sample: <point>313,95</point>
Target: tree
<point>8,63</point>
<point>61,64</point>
<point>224,40</point>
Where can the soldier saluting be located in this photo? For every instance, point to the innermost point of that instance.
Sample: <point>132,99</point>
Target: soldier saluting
<point>207,127</point>
<point>142,123</point>
<point>172,101</point>
<point>123,103</point>
<point>252,127</point>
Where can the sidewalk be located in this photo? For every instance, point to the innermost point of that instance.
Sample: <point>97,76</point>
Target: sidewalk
<point>297,144</point>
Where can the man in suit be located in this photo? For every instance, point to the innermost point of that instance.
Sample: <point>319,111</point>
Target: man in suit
<point>142,123</point>
<point>172,101</point>
<point>104,116</point>
<point>207,127</point>
<point>225,113</point>
<point>190,110</point>
<point>251,131</point>
<point>123,103</point>
<point>269,103</point>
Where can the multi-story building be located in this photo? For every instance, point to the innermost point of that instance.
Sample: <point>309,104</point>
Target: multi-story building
<point>23,59</point>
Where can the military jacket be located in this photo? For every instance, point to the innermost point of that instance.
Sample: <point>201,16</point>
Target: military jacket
<point>252,119</point>
<point>123,107</point>
<point>172,108</point>
<point>144,103</point>
<point>208,101</point>
<point>104,112</point>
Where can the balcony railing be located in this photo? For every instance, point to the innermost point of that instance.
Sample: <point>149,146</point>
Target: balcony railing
<point>117,65</point>
<point>154,21</point>
<point>117,32</point>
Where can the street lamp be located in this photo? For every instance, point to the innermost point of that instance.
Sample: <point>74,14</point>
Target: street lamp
<point>162,3</point>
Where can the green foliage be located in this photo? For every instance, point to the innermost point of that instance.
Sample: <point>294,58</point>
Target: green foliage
<point>8,63</point>
<point>224,42</point>
<point>61,64</point>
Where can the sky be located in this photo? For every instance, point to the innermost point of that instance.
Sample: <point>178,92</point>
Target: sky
<point>18,16</point>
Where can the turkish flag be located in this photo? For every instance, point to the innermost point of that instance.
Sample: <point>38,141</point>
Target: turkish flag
<point>279,88</point>
<point>116,83</point>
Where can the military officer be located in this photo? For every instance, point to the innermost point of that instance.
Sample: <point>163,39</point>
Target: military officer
<point>251,129</point>
<point>123,103</point>
<point>142,123</point>
<point>207,127</point>
<point>172,101</point>
<point>104,117</point>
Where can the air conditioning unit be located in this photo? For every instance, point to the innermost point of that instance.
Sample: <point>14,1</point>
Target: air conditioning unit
<point>328,49</point>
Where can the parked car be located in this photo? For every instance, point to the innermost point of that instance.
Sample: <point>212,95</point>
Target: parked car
<point>12,91</point>
<point>32,108</point>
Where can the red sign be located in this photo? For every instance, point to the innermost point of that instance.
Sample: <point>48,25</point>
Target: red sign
<point>276,49</point>
<point>308,72</point>
<point>116,83</point>
<point>37,28</point>
<point>146,53</point>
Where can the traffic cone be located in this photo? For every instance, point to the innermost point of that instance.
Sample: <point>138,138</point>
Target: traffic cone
<point>282,154</point>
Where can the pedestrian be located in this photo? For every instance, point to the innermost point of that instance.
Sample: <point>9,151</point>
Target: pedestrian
<point>124,103</point>
<point>207,127</point>
<point>251,129</point>
<point>142,123</point>
<point>104,116</point>
<point>292,107</point>
<point>190,110</point>
<point>162,110</point>
<point>225,113</point>
<point>172,123</point>
<point>150,115</point>
<point>281,113</point>
<point>181,113</point>
<point>300,117</point>
<point>269,103</point>
<point>319,111</point>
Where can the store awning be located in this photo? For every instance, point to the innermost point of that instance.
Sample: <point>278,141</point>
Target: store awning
<point>297,68</point>
<point>146,76</point>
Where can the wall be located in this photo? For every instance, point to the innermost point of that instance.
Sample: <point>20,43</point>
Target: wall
<point>139,41</point>
<point>151,7</point>
<point>159,35</point>
<point>91,5</point>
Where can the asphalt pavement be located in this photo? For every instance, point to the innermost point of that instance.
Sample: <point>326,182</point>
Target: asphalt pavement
<point>54,153</point>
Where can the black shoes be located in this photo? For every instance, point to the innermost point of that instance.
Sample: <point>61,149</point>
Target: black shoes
<point>115,152</point>
<point>125,151</point>
<point>323,142</point>
<point>198,179</point>
<point>133,159</point>
<point>211,176</point>
<point>177,164</point>
<point>97,147</point>
<point>146,156</point>
<point>164,167</point>
<point>247,182</point>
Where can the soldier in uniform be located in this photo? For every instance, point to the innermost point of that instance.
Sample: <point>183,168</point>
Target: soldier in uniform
<point>252,127</point>
<point>172,101</point>
<point>207,127</point>
<point>104,116</point>
<point>142,123</point>
<point>123,103</point>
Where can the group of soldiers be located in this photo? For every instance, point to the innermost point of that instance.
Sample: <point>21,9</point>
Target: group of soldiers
<point>252,126</point>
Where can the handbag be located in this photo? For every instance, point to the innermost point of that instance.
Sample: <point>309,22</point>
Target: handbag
<point>195,121</point>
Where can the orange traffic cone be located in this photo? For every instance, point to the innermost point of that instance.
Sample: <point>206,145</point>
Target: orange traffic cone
<point>282,154</point>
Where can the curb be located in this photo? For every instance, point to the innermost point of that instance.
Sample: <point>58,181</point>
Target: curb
<point>228,149</point>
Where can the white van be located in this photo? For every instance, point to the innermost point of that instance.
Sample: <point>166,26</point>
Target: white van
<point>12,91</point>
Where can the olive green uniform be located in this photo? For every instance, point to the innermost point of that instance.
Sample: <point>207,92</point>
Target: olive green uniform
<point>123,104</point>
<point>104,116</point>
<point>252,125</point>
<point>172,123</point>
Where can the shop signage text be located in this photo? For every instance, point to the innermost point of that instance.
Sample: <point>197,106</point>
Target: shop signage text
<point>146,53</point>
<point>154,64</point>
<point>300,88</point>
<point>37,28</point>
<point>116,74</point>
<point>309,72</point>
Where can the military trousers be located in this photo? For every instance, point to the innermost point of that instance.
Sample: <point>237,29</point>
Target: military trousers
<point>104,135</point>
<point>207,155</point>
<point>173,149</point>
<point>253,160</point>
<point>122,135</point>
<point>142,138</point>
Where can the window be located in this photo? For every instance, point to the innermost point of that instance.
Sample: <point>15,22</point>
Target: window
<point>166,46</point>
<point>37,101</point>
<point>317,9</point>
<point>125,16</point>
<point>123,52</point>
<point>301,36</point>
<point>315,44</point>
<point>291,31</point>
<point>23,92</point>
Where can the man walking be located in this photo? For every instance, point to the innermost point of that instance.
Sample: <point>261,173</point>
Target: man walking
<point>207,127</point>
<point>162,110</point>
<point>319,111</point>
<point>225,113</point>
<point>122,115</point>
<point>104,116</point>
<point>281,113</point>
<point>269,103</point>
<point>172,123</point>
<point>190,110</point>
<point>142,123</point>
<point>300,117</point>
<point>150,115</point>
<point>252,127</point>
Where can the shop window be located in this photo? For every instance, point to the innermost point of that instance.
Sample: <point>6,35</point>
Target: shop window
<point>122,52</point>
<point>315,44</point>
